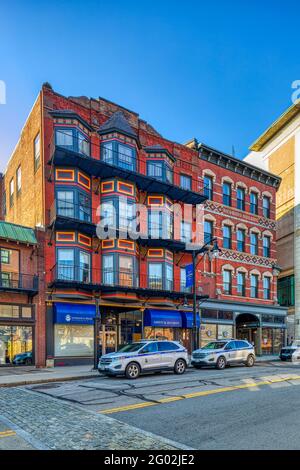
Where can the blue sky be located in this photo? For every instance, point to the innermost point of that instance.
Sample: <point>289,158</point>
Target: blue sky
<point>220,71</point>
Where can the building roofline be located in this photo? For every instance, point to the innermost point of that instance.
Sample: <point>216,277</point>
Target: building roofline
<point>275,127</point>
<point>243,167</point>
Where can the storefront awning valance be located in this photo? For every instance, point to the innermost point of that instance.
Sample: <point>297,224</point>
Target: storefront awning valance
<point>80,314</point>
<point>163,318</point>
<point>188,320</point>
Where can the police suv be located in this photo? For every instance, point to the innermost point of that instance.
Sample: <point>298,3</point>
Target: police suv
<point>221,353</point>
<point>145,356</point>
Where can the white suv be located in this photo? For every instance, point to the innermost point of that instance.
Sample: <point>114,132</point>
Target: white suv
<point>220,353</point>
<point>145,356</point>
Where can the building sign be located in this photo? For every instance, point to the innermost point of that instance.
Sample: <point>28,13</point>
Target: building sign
<point>189,275</point>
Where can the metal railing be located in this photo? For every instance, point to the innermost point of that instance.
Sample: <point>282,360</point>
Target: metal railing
<point>125,278</point>
<point>18,281</point>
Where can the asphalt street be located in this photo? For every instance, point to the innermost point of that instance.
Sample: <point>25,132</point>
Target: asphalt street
<point>238,408</point>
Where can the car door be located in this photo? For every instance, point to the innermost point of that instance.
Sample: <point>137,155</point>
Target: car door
<point>243,350</point>
<point>231,352</point>
<point>149,356</point>
<point>166,350</point>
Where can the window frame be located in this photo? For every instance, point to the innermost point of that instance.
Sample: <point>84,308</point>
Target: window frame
<point>227,197</point>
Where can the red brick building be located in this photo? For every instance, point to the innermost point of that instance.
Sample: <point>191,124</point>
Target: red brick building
<point>22,339</point>
<point>80,153</point>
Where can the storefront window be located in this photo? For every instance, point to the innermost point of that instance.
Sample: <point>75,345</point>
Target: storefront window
<point>130,327</point>
<point>267,340</point>
<point>15,340</point>
<point>224,331</point>
<point>208,333</point>
<point>9,311</point>
<point>73,340</point>
<point>159,333</point>
<point>278,340</point>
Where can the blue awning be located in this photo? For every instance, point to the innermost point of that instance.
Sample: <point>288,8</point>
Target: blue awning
<point>163,318</point>
<point>80,314</point>
<point>188,320</point>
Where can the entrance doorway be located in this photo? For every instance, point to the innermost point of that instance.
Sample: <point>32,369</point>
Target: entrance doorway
<point>247,329</point>
<point>108,339</point>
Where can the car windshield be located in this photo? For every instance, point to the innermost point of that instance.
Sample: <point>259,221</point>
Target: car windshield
<point>215,345</point>
<point>131,347</point>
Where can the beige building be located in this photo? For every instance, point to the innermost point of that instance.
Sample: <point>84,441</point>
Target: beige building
<point>278,151</point>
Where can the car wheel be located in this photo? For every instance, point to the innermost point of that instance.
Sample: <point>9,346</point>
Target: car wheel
<point>221,363</point>
<point>250,361</point>
<point>180,366</point>
<point>132,371</point>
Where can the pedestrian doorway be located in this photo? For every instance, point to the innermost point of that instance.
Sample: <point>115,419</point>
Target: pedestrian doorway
<point>247,329</point>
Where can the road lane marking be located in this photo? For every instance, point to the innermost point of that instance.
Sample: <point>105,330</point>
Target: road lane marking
<point>203,393</point>
<point>7,433</point>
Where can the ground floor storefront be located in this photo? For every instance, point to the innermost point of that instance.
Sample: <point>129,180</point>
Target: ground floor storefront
<point>17,333</point>
<point>76,332</point>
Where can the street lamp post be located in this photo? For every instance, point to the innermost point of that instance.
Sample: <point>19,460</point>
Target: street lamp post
<point>215,250</point>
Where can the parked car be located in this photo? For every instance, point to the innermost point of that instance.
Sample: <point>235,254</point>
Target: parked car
<point>222,353</point>
<point>145,356</point>
<point>291,353</point>
<point>23,358</point>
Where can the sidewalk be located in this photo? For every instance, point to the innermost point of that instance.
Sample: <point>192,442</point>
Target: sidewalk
<point>13,376</point>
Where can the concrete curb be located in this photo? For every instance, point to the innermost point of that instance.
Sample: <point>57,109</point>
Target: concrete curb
<point>46,380</point>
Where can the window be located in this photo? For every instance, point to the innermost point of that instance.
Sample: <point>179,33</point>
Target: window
<point>84,207</point>
<point>155,224</point>
<point>266,207</point>
<point>117,154</point>
<point>107,152</point>
<point>37,152</point>
<point>267,288</point>
<point>240,199</point>
<point>126,214</point>
<point>253,203</point>
<point>155,279</point>
<point>65,204</point>
<point>72,139</point>
<point>11,192</point>
<point>253,243</point>
<point>84,267</point>
<point>266,246</point>
<point>227,282</point>
<point>208,187</point>
<point>227,237</point>
<point>108,214</point>
<point>159,170</point>
<point>149,348</point>
<point>254,286</point>
<point>208,231</point>
<point>5,256</point>
<point>73,340</point>
<point>241,236</point>
<point>65,264</point>
<point>186,182</point>
<point>241,284</point>
<point>169,277</point>
<point>108,269</point>
<point>126,271</point>
<point>186,232</point>
<point>167,346</point>
<point>286,291</point>
<point>19,180</point>
<point>227,194</point>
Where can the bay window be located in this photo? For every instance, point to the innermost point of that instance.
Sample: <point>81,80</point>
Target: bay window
<point>65,264</point>
<point>72,139</point>
<point>84,267</point>
<point>108,270</point>
<point>159,170</point>
<point>117,154</point>
<point>169,277</point>
<point>155,275</point>
<point>126,271</point>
